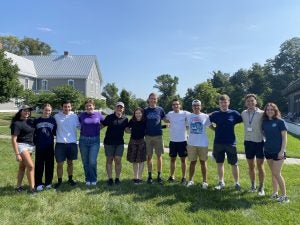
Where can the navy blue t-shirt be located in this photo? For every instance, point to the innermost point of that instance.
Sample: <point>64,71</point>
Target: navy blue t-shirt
<point>153,120</point>
<point>45,130</point>
<point>225,122</point>
<point>272,130</point>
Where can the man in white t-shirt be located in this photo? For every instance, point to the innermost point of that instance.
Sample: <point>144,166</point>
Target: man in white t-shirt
<point>177,145</point>
<point>197,141</point>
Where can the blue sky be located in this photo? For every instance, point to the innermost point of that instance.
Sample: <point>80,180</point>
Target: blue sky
<point>137,40</point>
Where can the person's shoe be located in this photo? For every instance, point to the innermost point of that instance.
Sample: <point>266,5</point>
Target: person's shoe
<point>117,181</point>
<point>190,183</point>
<point>110,182</point>
<point>220,186</point>
<point>252,189</point>
<point>32,192</point>
<point>136,181</point>
<point>171,179</point>
<point>140,181</point>
<point>40,188</point>
<point>57,185</point>
<point>204,185</point>
<point>19,189</point>
<point>183,181</point>
<point>49,186</point>
<point>94,183</point>
<point>237,187</point>
<point>159,180</point>
<point>72,182</point>
<point>149,180</point>
<point>261,192</point>
<point>88,183</point>
<point>283,199</point>
<point>274,196</point>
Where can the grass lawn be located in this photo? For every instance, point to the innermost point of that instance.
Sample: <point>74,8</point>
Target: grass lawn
<point>145,204</point>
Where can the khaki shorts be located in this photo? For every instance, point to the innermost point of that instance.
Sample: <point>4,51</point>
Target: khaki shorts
<point>195,151</point>
<point>154,142</point>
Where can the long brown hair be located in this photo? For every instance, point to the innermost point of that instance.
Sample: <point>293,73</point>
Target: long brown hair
<point>276,110</point>
<point>142,111</point>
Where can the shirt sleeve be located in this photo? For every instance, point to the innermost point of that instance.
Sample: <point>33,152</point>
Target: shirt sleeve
<point>15,129</point>
<point>105,122</point>
<point>207,122</point>
<point>282,125</point>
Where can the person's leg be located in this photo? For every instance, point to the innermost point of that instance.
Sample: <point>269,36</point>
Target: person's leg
<point>192,170</point>
<point>109,161</point>
<point>72,154</point>
<point>49,165</point>
<point>60,170</point>
<point>118,166</point>
<point>251,172</point>
<point>70,167</point>
<point>183,166</point>
<point>84,151</point>
<point>140,172</point>
<point>274,179</point>
<point>172,167</point>
<point>235,173</point>
<point>220,169</point>
<point>276,171</point>
<point>93,155</point>
<point>26,158</point>
<point>20,175</point>
<point>60,156</point>
<point>261,172</point>
<point>204,170</point>
<point>39,166</point>
<point>135,167</point>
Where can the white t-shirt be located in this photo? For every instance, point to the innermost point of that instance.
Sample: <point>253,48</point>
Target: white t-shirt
<point>177,125</point>
<point>66,127</point>
<point>197,129</point>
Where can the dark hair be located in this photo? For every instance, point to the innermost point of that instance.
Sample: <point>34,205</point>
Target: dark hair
<point>16,117</point>
<point>250,95</point>
<point>133,116</point>
<point>276,110</point>
<point>66,102</point>
<point>152,93</point>
<point>176,100</point>
<point>224,97</point>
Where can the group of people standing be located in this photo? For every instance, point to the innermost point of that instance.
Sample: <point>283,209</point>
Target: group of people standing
<point>265,137</point>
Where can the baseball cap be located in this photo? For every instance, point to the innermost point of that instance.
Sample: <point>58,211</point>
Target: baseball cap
<point>120,104</point>
<point>196,102</point>
<point>23,107</point>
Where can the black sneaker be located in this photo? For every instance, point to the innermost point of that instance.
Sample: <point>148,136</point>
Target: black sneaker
<point>159,180</point>
<point>149,180</point>
<point>57,185</point>
<point>171,179</point>
<point>72,182</point>
<point>19,189</point>
<point>140,181</point>
<point>117,181</point>
<point>183,181</point>
<point>136,181</point>
<point>110,182</point>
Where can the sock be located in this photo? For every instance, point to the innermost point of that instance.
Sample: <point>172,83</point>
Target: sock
<point>149,174</point>
<point>71,177</point>
<point>158,174</point>
<point>253,184</point>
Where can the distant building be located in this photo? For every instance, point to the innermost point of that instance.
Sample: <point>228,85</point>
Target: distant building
<point>41,73</point>
<point>292,92</point>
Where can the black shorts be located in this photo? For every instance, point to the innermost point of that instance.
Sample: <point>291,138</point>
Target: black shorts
<point>254,149</point>
<point>177,148</point>
<point>64,151</point>
<point>230,150</point>
<point>273,156</point>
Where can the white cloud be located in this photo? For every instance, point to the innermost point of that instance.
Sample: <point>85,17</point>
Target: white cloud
<point>44,29</point>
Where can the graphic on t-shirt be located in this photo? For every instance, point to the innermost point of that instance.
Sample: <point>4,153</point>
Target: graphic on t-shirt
<point>196,126</point>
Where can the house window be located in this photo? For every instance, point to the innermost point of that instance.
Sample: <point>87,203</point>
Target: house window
<point>44,85</point>
<point>26,83</point>
<point>71,83</point>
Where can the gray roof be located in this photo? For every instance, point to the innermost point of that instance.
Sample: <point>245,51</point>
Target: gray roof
<point>25,66</point>
<point>70,66</point>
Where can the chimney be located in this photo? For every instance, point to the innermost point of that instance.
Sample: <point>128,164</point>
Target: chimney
<point>66,53</point>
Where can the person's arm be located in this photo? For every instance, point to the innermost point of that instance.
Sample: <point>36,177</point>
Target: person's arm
<point>15,147</point>
<point>283,144</point>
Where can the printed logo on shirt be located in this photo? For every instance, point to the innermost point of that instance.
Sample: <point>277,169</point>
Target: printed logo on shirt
<point>274,125</point>
<point>196,126</point>
<point>231,118</point>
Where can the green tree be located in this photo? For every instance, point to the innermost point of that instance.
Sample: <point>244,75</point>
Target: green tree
<point>110,92</point>
<point>221,81</point>
<point>67,92</point>
<point>125,98</point>
<point>10,86</point>
<point>11,44</point>
<point>167,86</point>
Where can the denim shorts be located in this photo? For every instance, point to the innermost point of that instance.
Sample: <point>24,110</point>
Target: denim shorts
<point>65,151</point>
<point>25,147</point>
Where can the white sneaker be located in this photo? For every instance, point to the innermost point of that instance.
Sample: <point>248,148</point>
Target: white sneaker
<point>49,186</point>
<point>88,183</point>
<point>274,196</point>
<point>94,183</point>
<point>190,183</point>
<point>283,199</point>
<point>261,192</point>
<point>220,186</point>
<point>204,185</point>
<point>40,188</point>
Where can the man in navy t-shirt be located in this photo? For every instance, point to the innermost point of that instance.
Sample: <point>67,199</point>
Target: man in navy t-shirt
<point>154,114</point>
<point>225,119</point>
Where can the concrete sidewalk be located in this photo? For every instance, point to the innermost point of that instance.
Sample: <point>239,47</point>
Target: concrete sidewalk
<point>240,156</point>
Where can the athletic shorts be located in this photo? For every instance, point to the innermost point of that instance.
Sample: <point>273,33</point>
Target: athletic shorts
<point>65,151</point>
<point>230,150</point>
<point>254,149</point>
<point>156,143</point>
<point>177,148</point>
<point>195,151</point>
<point>273,156</point>
<point>114,150</point>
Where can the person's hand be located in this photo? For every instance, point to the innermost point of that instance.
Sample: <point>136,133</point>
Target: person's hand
<point>18,157</point>
<point>280,155</point>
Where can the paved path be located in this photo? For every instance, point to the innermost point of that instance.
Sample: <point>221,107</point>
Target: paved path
<point>240,156</point>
